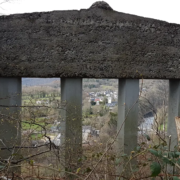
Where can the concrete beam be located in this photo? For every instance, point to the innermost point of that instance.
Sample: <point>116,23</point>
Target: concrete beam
<point>71,99</point>
<point>94,43</point>
<point>128,94</point>
<point>10,100</point>
<point>173,110</point>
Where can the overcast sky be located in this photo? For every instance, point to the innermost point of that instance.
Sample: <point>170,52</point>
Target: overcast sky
<point>168,10</point>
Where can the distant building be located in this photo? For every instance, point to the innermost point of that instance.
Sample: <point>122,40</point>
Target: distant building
<point>91,99</point>
<point>38,102</point>
<point>57,140</point>
<point>109,100</point>
<point>55,127</point>
<point>42,102</point>
<point>95,100</point>
<point>88,129</point>
<point>111,105</point>
<point>87,132</point>
<point>147,125</point>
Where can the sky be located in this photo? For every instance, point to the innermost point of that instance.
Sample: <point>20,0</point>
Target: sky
<point>167,10</point>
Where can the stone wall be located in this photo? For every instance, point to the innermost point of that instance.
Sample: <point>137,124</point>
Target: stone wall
<point>96,43</point>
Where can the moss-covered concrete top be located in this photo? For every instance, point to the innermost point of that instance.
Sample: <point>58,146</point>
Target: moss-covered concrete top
<point>96,43</point>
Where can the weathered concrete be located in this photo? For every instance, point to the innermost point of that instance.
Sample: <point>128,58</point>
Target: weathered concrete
<point>128,95</point>
<point>173,110</point>
<point>96,42</point>
<point>71,122</point>
<point>10,131</point>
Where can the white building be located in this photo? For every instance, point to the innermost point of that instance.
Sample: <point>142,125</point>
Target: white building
<point>38,102</point>
<point>109,100</point>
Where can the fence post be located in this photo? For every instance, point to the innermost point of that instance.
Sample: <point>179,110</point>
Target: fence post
<point>128,95</point>
<point>10,119</point>
<point>71,99</point>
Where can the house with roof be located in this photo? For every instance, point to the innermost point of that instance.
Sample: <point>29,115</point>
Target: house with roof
<point>88,132</point>
<point>111,105</point>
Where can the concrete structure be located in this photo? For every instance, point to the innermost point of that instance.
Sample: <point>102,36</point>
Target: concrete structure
<point>128,114</point>
<point>10,125</point>
<point>127,125</point>
<point>71,126</point>
<point>95,43</point>
<point>174,110</point>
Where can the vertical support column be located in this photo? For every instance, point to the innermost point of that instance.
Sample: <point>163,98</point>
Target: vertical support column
<point>71,98</point>
<point>173,110</point>
<point>10,102</point>
<point>128,94</point>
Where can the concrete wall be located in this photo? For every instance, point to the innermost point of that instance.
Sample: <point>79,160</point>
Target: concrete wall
<point>71,120</point>
<point>10,118</point>
<point>96,42</point>
<point>127,124</point>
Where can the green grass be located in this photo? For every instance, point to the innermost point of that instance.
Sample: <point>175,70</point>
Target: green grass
<point>106,87</point>
<point>161,127</point>
<point>58,98</point>
<point>33,101</point>
<point>28,101</point>
<point>36,136</point>
<point>39,122</point>
<point>27,126</point>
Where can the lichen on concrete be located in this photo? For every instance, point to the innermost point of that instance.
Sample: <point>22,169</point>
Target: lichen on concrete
<point>96,43</point>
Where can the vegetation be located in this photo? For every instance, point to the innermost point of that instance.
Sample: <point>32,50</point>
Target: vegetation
<point>41,158</point>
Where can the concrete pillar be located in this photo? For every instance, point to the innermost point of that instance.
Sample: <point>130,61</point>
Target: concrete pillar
<point>10,100</point>
<point>173,110</point>
<point>71,134</point>
<point>128,95</point>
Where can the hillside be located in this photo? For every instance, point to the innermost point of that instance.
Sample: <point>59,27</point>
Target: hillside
<point>38,81</point>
